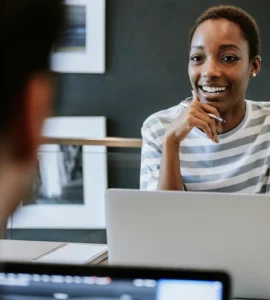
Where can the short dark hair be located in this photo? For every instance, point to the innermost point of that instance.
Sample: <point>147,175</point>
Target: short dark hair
<point>238,16</point>
<point>28,29</point>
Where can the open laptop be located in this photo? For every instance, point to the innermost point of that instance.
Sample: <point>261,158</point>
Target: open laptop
<point>40,282</point>
<point>193,230</point>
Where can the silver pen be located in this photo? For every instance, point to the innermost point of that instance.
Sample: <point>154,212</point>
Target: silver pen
<point>185,104</point>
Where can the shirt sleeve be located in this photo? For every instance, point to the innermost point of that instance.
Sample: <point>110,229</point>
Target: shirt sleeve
<point>152,134</point>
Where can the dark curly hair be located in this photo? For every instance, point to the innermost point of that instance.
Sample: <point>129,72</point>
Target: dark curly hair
<point>248,25</point>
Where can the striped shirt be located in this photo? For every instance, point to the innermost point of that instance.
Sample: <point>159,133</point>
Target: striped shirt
<point>238,163</point>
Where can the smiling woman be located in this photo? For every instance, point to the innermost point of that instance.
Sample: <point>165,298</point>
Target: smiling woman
<point>220,66</point>
<point>190,147</point>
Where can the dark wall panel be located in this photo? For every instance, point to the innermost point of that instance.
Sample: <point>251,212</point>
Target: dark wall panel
<point>147,56</point>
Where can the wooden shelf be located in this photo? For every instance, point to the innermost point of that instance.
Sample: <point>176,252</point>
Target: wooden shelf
<point>108,142</point>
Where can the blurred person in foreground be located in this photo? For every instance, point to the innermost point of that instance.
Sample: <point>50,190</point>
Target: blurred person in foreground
<point>28,30</point>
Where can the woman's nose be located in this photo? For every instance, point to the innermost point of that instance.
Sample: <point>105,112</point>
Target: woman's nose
<point>211,69</point>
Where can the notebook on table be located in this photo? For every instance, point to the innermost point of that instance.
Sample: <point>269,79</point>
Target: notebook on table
<point>52,252</point>
<point>40,282</point>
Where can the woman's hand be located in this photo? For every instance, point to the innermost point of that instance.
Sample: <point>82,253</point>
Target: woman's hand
<point>196,115</point>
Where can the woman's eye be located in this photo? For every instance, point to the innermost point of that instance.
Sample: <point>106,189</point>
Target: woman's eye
<point>230,58</point>
<point>196,58</point>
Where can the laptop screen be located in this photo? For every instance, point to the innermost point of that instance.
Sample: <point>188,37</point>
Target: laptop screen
<point>34,286</point>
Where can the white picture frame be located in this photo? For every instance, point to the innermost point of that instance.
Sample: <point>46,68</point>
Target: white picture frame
<point>92,58</point>
<point>91,213</point>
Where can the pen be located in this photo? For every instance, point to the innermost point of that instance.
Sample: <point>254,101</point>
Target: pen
<point>183,103</point>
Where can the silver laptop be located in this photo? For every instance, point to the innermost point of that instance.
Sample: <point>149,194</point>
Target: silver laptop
<point>230,232</point>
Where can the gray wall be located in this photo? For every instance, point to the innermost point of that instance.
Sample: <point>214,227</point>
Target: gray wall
<point>147,56</point>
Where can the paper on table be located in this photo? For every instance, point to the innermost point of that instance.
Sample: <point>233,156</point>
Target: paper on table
<point>25,251</point>
<point>73,253</point>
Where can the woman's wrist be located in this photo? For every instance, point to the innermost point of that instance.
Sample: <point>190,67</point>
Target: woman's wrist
<point>171,143</point>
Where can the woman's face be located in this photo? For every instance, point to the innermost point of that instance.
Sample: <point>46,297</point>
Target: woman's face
<point>219,65</point>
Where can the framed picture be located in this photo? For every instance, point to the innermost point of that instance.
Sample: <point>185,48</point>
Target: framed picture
<point>71,180</point>
<point>81,47</point>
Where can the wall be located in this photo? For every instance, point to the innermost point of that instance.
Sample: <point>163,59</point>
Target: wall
<point>147,56</point>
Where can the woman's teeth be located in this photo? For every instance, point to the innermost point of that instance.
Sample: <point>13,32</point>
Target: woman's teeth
<point>213,89</point>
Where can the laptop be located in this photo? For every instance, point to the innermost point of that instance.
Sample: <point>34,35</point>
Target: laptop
<point>40,282</point>
<point>193,230</point>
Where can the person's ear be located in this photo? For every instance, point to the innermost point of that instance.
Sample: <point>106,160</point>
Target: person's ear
<point>255,66</point>
<point>35,107</point>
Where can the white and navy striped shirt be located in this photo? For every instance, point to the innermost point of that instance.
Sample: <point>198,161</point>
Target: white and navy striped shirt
<point>239,163</point>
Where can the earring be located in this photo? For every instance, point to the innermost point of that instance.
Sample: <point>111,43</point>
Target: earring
<point>254,74</point>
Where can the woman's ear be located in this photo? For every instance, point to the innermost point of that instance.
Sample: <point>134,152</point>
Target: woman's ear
<point>255,66</point>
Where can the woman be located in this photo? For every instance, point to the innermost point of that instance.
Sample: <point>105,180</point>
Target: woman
<point>187,148</point>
